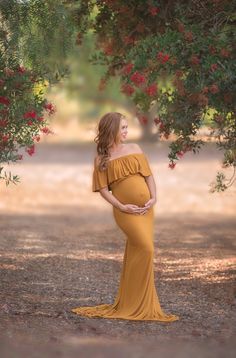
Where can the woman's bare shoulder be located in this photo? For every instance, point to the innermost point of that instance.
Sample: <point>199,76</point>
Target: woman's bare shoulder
<point>135,148</point>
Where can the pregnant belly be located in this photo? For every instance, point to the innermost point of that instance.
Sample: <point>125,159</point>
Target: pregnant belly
<point>131,190</point>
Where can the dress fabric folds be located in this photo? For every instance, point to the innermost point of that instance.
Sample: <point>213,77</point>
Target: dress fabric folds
<point>137,297</point>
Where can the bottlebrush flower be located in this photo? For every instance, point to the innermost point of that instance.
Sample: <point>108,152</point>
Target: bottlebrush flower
<point>127,89</point>
<point>108,49</point>
<point>4,100</point>
<point>5,137</point>
<point>171,165</point>
<point>31,150</point>
<point>214,89</point>
<point>205,90</point>
<point>21,69</point>
<point>157,120</point>
<point>212,50</point>
<point>127,68</point>
<point>46,130</point>
<point>138,78</point>
<point>3,123</point>
<point>151,90</point>
<point>40,119</point>
<point>214,66</point>
<point>180,27</point>
<point>37,138</point>
<point>224,52</point>
<point>180,154</point>
<point>194,60</point>
<point>162,57</point>
<point>188,36</point>
<point>153,10</point>
<point>30,114</point>
<point>50,108</point>
<point>143,119</point>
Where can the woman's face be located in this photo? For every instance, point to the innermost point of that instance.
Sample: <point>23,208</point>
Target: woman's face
<point>123,130</point>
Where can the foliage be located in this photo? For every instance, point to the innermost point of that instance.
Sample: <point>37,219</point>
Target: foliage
<point>189,44</point>
<point>35,37</point>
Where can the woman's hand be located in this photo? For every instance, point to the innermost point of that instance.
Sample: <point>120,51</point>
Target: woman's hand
<point>132,209</point>
<point>149,204</point>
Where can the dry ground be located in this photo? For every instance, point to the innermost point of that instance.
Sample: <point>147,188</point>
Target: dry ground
<point>60,248</point>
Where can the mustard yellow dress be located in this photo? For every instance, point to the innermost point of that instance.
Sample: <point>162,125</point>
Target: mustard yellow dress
<point>137,297</point>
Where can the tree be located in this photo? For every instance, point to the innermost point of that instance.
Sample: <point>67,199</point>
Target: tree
<point>35,38</point>
<point>188,46</point>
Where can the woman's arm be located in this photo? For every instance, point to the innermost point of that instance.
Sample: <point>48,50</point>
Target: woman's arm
<point>151,186</point>
<point>108,196</point>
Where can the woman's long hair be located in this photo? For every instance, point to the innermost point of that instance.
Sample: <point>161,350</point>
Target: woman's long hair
<point>108,130</point>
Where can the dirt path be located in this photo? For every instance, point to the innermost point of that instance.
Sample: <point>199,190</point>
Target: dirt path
<point>58,252</point>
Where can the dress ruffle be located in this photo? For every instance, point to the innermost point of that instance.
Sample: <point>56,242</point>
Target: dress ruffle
<point>121,167</point>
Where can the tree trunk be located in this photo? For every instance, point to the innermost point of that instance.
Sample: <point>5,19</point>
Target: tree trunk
<point>149,130</point>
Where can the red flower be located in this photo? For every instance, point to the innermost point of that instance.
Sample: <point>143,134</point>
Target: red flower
<point>30,114</point>
<point>49,108</point>
<point>212,49</point>
<point>172,165</point>
<point>127,68</point>
<point>4,100</point>
<point>127,89</point>
<point>40,119</point>
<point>180,153</point>
<point>46,130</point>
<point>37,138</point>
<point>205,90</point>
<point>153,10</point>
<point>224,52</point>
<point>21,69</point>
<point>5,137</point>
<point>214,67</point>
<point>188,36</point>
<point>214,88</point>
<point>143,119</point>
<point>151,90</point>
<point>163,58</point>
<point>108,49</point>
<point>30,123</point>
<point>195,60</point>
<point>180,27</point>
<point>31,150</point>
<point>157,120</point>
<point>138,78</point>
<point>3,122</point>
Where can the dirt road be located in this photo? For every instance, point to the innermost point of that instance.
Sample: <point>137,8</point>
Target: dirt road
<point>60,248</point>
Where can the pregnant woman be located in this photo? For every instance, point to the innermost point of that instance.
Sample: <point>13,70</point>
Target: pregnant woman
<point>123,177</point>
